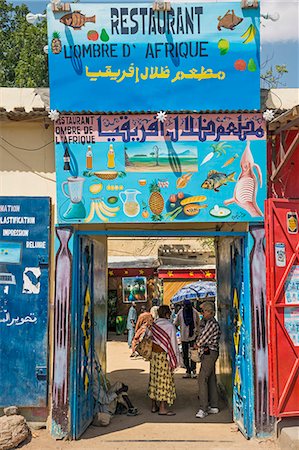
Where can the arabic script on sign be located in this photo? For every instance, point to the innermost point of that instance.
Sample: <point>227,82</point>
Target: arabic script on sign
<point>152,73</point>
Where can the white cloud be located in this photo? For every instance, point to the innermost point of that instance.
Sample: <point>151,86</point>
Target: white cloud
<point>286,28</point>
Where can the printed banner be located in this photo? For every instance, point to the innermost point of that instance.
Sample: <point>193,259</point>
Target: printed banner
<point>119,57</point>
<point>129,168</point>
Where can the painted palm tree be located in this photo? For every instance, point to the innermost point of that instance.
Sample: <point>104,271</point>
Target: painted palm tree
<point>155,154</point>
<point>218,149</point>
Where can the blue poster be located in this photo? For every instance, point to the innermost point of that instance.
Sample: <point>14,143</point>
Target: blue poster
<point>139,169</point>
<point>126,56</point>
<point>24,296</point>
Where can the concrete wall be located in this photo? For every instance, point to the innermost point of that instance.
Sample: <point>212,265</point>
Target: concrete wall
<point>27,168</point>
<point>150,246</point>
<point>27,163</point>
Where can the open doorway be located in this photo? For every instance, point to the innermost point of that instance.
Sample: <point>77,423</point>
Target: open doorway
<point>233,313</point>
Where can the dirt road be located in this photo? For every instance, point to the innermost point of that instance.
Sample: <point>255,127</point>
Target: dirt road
<point>151,431</point>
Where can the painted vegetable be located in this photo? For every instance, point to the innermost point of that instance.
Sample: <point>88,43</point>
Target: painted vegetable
<point>249,34</point>
<point>183,180</point>
<point>195,199</point>
<point>223,46</point>
<point>156,201</point>
<point>218,149</point>
<point>251,65</point>
<point>193,210</point>
<point>173,214</point>
<point>112,200</point>
<point>240,64</point>
<point>96,188</point>
<point>181,195</point>
<point>92,35</point>
<point>230,160</point>
<point>104,35</point>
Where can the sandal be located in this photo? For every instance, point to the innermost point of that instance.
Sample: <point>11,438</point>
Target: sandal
<point>168,413</point>
<point>132,412</point>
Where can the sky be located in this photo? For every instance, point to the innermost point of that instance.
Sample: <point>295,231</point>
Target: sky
<point>279,40</point>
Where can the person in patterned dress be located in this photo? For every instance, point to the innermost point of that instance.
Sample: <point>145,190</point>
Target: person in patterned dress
<point>164,360</point>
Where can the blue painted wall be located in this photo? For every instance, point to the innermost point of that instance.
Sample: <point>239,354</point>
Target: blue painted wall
<point>24,295</point>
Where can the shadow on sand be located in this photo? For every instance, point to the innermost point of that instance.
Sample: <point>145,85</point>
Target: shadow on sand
<point>185,406</point>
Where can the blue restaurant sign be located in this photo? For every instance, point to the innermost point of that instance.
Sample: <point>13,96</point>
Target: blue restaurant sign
<point>125,56</point>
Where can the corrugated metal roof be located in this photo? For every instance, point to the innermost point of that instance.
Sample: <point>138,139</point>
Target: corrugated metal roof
<point>26,103</point>
<point>130,262</point>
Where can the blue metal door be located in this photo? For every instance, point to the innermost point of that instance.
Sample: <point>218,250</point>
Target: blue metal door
<point>24,296</point>
<point>241,339</point>
<point>82,351</point>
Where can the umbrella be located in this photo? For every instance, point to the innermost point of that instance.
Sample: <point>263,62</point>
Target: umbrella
<point>195,291</point>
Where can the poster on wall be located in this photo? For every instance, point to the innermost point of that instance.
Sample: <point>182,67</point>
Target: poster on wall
<point>292,286</point>
<point>291,323</point>
<point>139,169</point>
<point>126,56</point>
<point>24,295</point>
<point>134,289</point>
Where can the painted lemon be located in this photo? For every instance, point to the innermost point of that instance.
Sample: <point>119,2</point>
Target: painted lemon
<point>96,188</point>
<point>223,46</point>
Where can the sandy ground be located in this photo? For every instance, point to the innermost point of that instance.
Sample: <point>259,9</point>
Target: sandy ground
<point>151,431</point>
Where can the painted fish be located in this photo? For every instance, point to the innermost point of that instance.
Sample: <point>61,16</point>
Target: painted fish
<point>76,20</point>
<point>216,179</point>
<point>246,188</point>
<point>229,20</point>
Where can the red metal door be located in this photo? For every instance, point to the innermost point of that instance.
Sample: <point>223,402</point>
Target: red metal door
<point>282,250</point>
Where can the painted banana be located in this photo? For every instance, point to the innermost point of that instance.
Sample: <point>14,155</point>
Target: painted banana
<point>91,213</point>
<point>109,208</point>
<point>99,213</point>
<point>104,210</point>
<point>249,34</point>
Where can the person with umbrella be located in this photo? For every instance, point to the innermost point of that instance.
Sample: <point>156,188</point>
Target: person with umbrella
<point>188,320</point>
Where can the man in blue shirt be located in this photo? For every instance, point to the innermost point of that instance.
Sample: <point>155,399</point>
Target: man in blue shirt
<point>131,323</point>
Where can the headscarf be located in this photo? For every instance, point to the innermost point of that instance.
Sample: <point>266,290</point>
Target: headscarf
<point>154,312</point>
<point>164,335</point>
<point>188,316</point>
<point>144,322</point>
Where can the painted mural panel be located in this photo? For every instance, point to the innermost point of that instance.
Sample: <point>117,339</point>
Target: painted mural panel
<point>100,287</point>
<point>138,169</point>
<point>263,421</point>
<point>116,56</point>
<point>62,332</point>
<point>24,295</point>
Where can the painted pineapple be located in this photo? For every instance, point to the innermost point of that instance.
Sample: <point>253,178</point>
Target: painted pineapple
<point>156,201</point>
<point>56,46</point>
